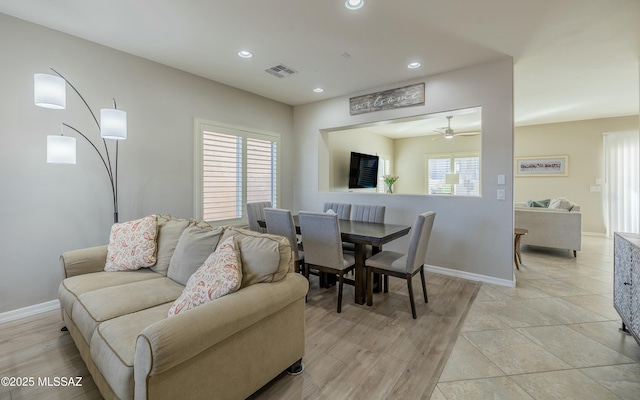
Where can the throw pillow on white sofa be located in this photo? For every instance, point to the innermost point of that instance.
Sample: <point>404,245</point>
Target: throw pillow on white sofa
<point>132,245</point>
<point>218,276</point>
<point>561,203</point>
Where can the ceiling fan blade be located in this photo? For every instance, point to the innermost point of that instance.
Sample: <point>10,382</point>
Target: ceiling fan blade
<point>468,133</point>
<point>437,137</point>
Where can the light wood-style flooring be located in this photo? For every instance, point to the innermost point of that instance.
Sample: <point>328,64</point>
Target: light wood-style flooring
<point>376,352</point>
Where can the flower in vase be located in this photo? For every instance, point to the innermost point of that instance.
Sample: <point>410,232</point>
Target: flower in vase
<point>389,180</point>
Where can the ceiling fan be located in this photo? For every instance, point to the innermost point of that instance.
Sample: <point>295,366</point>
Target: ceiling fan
<point>448,133</point>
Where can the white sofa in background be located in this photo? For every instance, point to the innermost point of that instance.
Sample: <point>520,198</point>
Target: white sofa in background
<point>559,228</point>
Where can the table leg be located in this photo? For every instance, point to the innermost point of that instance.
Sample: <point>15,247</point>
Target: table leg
<point>377,281</point>
<point>360,277</point>
<point>516,250</point>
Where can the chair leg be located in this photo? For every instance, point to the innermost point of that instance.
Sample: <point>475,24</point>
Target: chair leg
<point>424,284</point>
<point>413,303</point>
<point>340,281</point>
<point>386,283</point>
<point>305,273</point>
<point>370,286</point>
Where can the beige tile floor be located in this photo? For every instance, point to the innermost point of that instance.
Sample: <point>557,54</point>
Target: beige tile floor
<point>554,336</point>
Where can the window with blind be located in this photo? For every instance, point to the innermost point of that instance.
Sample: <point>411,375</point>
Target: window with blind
<point>456,174</point>
<point>384,168</point>
<point>234,167</point>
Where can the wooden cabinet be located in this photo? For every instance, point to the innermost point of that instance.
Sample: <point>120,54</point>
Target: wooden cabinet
<point>626,287</point>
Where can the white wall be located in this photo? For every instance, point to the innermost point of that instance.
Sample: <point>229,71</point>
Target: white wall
<point>47,209</point>
<point>342,143</point>
<point>410,158</point>
<point>471,235</point>
<point>582,141</point>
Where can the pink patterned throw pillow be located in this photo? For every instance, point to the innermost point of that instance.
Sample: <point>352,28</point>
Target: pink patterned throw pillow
<point>220,274</point>
<point>132,245</point>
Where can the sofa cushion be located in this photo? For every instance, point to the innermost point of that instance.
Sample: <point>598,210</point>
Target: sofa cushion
<point>114,343</point>
<point>220,275</point>
<point>265,257</point>
<point>561,203</point>
<point>539,203</point>
<point>169,231</point>
<point>71,288</point>
<point>104,304</point>
<point>196,243</point>
<point>132,245</point>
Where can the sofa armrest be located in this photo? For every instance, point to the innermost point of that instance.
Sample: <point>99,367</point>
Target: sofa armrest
<point>83,261</point>
<point>167,343</point>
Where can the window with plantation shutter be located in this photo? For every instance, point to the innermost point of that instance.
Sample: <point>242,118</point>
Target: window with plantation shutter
<point>233,167</point>
<point>465,165</point>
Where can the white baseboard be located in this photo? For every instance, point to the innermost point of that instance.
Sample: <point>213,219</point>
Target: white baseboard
<point>29,311</point>
<point>594,234</point>
<point>469,275</point>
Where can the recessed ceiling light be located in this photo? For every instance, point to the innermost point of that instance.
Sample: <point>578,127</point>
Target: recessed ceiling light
<point>354,4</point>
<point>414,65</point>
<point>245,54</point>
<point>318,90</point>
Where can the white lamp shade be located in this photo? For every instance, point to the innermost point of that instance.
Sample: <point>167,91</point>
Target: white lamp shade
<point>61,149</point>
<point>452,179</point>
<point>49,91</point>
<point>113,124</point>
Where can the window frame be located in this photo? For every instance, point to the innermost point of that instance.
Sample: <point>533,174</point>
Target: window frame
<point>200,126</point>
<point>452,157</point>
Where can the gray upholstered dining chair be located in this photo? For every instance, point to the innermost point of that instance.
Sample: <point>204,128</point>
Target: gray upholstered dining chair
<point>404,265</point>
<point>367,213</point>
<point>323,247</point>
<point>255,212</point>
<point>280,222</point>
<point>343,210</point>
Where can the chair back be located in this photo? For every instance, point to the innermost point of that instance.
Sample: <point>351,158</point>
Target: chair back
<point>343,210</point>
<point>367,213</point>
<point>255,212</point>
<point>280,222</point>
<point>321,238</point>
<point>420,234</point>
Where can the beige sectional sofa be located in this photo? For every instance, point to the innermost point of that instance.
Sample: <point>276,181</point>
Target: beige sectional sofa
<point>225,349</point>
<point>559,228</point>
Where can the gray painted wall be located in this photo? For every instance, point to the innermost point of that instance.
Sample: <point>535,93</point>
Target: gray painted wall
<point>471,235</point>
<point>47,209</point>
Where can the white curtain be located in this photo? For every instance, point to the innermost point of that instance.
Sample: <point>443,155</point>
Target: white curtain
<point>622,181</point>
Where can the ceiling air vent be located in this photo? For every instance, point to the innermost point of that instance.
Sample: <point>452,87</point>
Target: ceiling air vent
<point>281,71</point>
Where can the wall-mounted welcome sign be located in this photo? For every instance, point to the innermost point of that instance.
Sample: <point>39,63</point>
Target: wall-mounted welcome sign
<point>406,96</point>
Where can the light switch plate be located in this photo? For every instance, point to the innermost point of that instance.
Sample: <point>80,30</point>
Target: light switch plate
<point>501,180</point>
<point>501,194</point>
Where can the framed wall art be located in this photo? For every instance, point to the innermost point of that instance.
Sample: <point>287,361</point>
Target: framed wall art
<point>542,166</point>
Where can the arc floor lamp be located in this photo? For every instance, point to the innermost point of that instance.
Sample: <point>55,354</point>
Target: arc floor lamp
<point>50,92</point>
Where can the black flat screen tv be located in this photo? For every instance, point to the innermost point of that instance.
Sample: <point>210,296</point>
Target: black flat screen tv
<point>363,171</point>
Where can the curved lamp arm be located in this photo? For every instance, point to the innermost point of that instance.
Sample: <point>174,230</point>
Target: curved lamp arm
<point>113,177</point>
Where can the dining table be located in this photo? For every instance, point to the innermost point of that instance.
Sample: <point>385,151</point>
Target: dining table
<point>363,234</point>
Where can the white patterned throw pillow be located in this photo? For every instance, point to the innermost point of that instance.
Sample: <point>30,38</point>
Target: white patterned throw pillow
<point>132,245</point>
<point>220,274</point>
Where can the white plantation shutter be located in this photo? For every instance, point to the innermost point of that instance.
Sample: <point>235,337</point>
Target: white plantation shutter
<point>468,168</point>
<point>384,168</point>
<point>261,170</point>
<point>234,167</point>
<point>437,170</point>
<point>466,165</point>
<point>221,176</point>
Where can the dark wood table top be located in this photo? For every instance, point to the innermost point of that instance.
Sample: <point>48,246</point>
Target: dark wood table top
<point>372,233</point>
<point>362,234</point>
